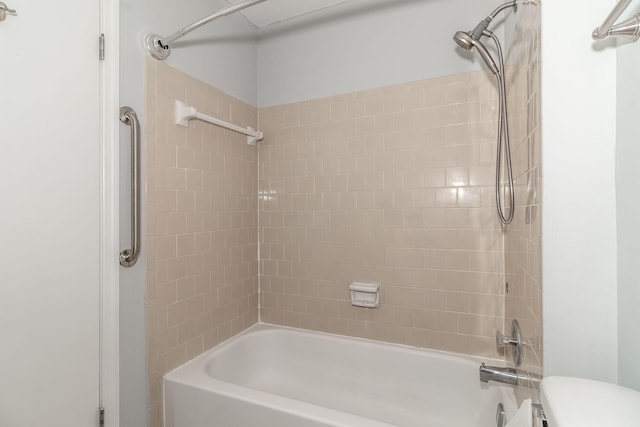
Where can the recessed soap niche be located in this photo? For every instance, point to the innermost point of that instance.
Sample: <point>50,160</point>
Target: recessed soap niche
<point>365,294</point>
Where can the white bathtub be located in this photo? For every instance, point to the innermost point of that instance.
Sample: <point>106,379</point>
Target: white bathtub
<point>272,376</point>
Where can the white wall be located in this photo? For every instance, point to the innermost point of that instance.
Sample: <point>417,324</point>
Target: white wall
<point>364,44</point>
<point>579,218</point>
<point>222,54</point>
<point>628,199</point>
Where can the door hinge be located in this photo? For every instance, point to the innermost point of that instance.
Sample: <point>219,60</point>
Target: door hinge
<point>101,417</point>
<point>101,47</point>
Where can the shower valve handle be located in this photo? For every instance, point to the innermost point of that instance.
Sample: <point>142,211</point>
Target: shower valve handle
<point>514,341</point>
<point>503,340</point>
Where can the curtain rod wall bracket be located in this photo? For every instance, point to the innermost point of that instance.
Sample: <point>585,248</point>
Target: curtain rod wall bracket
<point>158,46</point>
<point>153,44</point>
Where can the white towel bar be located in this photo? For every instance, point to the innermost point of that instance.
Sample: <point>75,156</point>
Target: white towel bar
<point>185,113</point>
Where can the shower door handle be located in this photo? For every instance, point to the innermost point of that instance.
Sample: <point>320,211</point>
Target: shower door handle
<point>128,257</point>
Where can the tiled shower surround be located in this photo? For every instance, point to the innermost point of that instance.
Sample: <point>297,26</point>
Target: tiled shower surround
<point>202,225</point>
<point>392,185</point>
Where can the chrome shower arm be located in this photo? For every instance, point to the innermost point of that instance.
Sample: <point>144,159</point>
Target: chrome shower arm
<point>513,4</point>
<point>482,26</point>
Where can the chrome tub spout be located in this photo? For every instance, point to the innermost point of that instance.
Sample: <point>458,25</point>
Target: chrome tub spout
<point>501,375</point>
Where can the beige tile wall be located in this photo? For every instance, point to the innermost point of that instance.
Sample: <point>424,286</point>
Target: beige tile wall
<point>523,237</point>
<point>202,224</point>
<point>392,185</point>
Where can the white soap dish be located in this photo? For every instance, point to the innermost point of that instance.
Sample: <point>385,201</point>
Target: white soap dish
<point>365,294</point>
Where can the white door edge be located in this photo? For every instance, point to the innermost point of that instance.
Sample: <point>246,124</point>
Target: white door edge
<point>109,233</point>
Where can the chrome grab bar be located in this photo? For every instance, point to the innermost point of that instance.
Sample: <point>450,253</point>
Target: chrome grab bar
<point>129,257</point>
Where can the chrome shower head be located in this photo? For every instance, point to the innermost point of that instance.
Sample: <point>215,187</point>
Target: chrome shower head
<point>466,41</point>
<point>463,40</point>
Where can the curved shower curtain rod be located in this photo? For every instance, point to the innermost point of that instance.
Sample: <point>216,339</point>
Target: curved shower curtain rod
<point>158,46</point>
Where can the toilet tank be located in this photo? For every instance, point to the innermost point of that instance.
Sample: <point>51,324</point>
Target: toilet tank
<point>578,402</point>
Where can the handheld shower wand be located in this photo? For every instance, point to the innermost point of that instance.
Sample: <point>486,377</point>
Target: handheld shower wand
<point>468,41</point>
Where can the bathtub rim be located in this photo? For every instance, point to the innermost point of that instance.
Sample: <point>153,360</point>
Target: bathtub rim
<point>263,326</point>
<point>188,374</point>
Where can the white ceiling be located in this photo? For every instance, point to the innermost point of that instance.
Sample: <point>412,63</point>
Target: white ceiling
<point>272,11</point>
